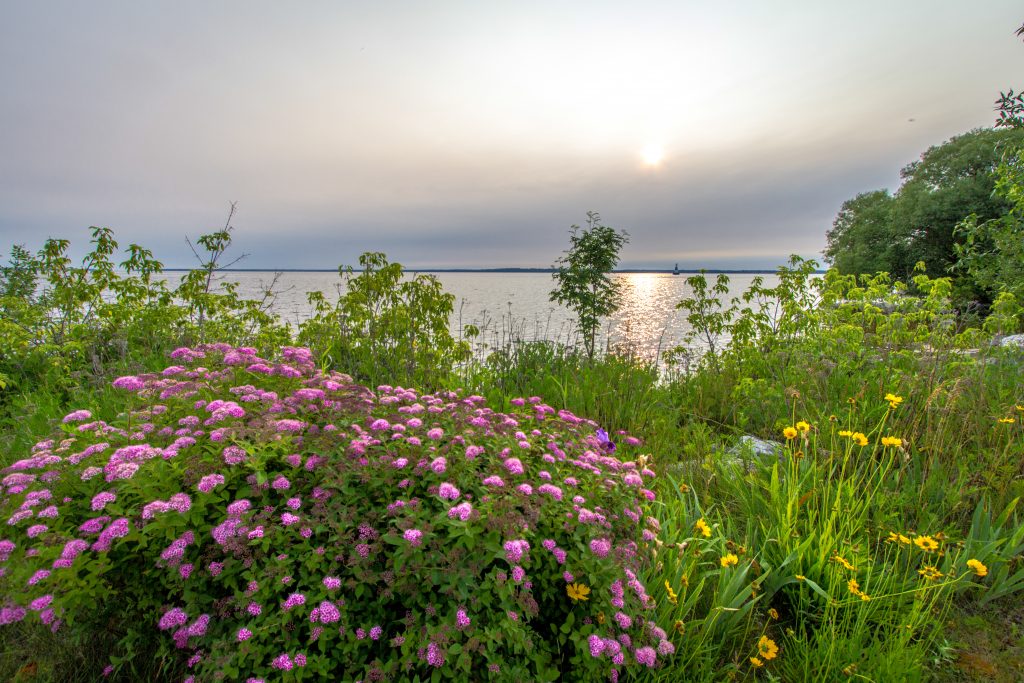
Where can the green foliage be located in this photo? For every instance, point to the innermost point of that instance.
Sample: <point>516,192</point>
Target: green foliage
<point>878,233</point>
<point>860,240</point>
<point>385,327</point>
<point>991,251</point>
<point>582,277</point>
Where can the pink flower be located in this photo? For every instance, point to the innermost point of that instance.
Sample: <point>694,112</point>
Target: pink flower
<point>243,635</point>
<point>413,536</point>
<point>448,492</point>
<point>601,547</point>
<point>514,466</point>
<point>210,482</point>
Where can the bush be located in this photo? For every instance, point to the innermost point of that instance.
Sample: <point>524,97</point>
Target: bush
<point>246,518</point>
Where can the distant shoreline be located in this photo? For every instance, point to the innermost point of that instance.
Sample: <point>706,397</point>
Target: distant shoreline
<point>669,271</point>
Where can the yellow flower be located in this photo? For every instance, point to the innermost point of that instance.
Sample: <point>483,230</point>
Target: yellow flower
<point>679,626</point>
<point>860,439</point>
<point>703,528</point>
<point>683,488</point>
<point>843,561</point>
<point>926,543</point>
<point>600,617</point>
<point>800,577</point>
<point>892,441</point>
<point>853,586</point>
<point>773,613</point>
<point>767,648</point>
<point>672,597</point>
<point>978,567</point>
<point>1007,420</point>
<point>729,560</point>
<point>865,597</point>
<point>789,433</point>
<point>930,573</point>
<point>756,662</point>
<point>898,538</point>
<point>578,592</point>
<point>802,426</point>
<point>845,432</point>
<point>894,400</point>
<point>1020,408</point>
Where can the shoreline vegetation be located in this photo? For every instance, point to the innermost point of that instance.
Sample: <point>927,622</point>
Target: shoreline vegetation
<point>194,490</point>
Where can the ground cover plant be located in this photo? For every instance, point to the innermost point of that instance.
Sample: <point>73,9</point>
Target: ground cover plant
<point>262,518</point>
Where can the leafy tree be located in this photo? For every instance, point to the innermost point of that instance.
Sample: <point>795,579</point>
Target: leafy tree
<point>991,252</point>
<point>582,275</point>
<point>878,233</point>
<point>859,241</point>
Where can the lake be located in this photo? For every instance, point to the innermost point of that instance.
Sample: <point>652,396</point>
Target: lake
<point>515,306</point>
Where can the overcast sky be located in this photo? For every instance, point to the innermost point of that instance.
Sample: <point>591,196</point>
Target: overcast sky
<point>473,134</point>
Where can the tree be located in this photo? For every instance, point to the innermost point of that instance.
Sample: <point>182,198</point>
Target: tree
<point>582,275</point>
<point>859,241</point>
<point>878,233</point>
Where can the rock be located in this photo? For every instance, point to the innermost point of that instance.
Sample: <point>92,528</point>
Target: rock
<point>749,449</point>
<point>1014,340</point>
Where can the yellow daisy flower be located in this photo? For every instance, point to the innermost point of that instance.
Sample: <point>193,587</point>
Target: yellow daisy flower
<point>926,543</point>
<point>789,433</point>
<point>894,400</point>
<point>978,567</point>
<point>802,426</point>
<point>578,592</point>
<point>767,648</point>
<point>729,560</point>
<point>703,528</point>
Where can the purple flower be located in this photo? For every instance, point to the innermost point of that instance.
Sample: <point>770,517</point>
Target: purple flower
<point>173,618</point>
<point>293,600</point>
<point>413,536</point>
<point>77,416</point>
<point>435,433</point>
<point>129,383</point>
<point>435,657</point>
<point>463,511</point>
<point>596,645</point>
<point>288,519</point>
<point>327,612</point>
<point>601,547</point>
<point>281,484</point>
<point>282,662</point>
<point>462,619</point>
<point>646,656</point>
<point>40,603</point>
<point>210,482</point>
<point>376,632</point>
<point>332,582</point>
<point>514,466</point>
<point>448,492</point>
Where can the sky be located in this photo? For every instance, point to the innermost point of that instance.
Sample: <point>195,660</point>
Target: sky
<point>474,134</point>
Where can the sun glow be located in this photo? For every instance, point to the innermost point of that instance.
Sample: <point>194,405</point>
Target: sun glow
<point>652,155</point>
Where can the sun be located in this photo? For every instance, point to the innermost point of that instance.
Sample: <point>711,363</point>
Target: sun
<point>652,155</point>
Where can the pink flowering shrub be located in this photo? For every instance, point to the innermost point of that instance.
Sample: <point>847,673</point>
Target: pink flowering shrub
<point>255,518</point>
